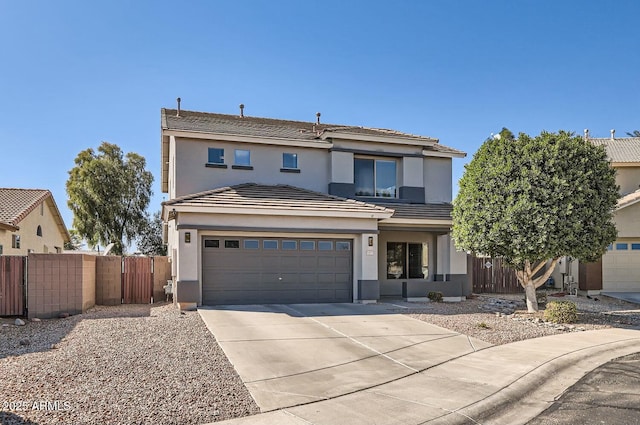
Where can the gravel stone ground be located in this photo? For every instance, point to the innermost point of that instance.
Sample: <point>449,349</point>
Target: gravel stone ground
<point>128,364</point>
<point>141,364</point>
<point>503,318</point>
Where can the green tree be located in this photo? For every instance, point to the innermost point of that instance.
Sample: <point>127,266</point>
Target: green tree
<point>108,195</point>
<point>533,200</point>
<point>76,241</point>
<point>634,133</point>
<point>150,240</point>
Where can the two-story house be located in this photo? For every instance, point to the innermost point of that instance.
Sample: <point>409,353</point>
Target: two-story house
<point>30,222</point>
<point>273,211</point>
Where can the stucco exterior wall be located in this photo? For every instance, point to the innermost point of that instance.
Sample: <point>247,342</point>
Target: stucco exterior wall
<point>437,180</point>
<point>412,172</point>
<point>341,167</point>
<point>628,221</point>
<point>47,243</point>
<point>628,178</point>
<point>192,175</point>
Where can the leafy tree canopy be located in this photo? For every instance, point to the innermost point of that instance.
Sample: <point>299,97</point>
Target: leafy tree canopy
<point>76,241</point>
<point>150,241</point>
<point>529,200</point>
<point>108,194</point>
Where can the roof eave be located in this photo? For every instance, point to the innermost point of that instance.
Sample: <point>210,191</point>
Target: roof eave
<point>418,222</point>
<point>9,227</point>
<point>457,154</point>
<point>266,140</point>
<point>332,134</point>
<point>259,210</point>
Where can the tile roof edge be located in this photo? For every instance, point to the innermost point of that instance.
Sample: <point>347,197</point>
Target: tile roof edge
<point>32,206</point>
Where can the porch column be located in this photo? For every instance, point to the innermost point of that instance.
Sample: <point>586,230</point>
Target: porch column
<point>368,286</point>
<point>187,284</point>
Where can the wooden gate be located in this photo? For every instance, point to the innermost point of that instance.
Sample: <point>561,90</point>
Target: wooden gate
<point>137,280</point>
<point>12,285</point>
<point>491,276</point>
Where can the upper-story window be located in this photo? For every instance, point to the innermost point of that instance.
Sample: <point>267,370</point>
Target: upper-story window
<point>39,231</point>
<point>216,156</point>
<point>290,160</point>
<point>242,157</point>
<point>375,177</point>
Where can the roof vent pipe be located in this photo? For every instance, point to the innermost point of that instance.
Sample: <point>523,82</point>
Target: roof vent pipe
<point>178,112</point>
<point>242,110</point>
<point>318,117</point>
<point>613,134</point>
<point>586,133</point>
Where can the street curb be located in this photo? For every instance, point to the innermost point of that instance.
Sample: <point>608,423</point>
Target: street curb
<point>527,397</point>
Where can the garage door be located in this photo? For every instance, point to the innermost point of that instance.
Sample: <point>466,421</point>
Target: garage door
<point>621,267</point>
<point>276,270</point>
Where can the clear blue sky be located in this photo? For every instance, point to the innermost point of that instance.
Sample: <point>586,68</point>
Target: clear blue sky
<point>75,73</point>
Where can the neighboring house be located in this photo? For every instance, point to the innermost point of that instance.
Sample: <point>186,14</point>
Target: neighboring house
<point>621,264</point>
<point>619,270</point>
<point>30,222</point>
<point>274,211</point>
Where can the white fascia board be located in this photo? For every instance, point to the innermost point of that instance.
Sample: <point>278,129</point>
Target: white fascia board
<point>417,222</point>
<point>625,164</point>
<point>628,204</point>
<point>264,140</point>
<point>398,140</point>
<point>279,211</point>
<point>164,166</point>
<point>444,154</point>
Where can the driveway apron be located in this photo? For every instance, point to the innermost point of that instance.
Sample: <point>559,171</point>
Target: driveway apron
<point>289,355</point>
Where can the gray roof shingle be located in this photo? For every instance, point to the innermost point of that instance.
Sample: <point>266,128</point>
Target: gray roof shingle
<point>206,122</point>
<point>421,211</point>
<point>625,149</point>
<point>252,195</point>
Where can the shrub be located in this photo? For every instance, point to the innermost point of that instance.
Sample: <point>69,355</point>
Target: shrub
<point>435,296</point>
<point>561,312</point>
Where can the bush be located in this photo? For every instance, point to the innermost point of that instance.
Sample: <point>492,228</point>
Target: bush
<point>561,312</point>
<point>435,296</point>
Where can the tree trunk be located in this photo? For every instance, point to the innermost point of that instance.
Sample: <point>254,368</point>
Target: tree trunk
<point>532,301</point>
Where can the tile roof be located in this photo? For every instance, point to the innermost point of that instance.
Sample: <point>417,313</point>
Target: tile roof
<point>629,199</point>
<point>16,204</point>
<point>625,149</point>
<point>421,211</point>
<point>252,195</point>
<point>206,122</point>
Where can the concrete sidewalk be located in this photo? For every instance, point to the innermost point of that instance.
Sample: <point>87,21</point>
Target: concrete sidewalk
<point>506,384</point>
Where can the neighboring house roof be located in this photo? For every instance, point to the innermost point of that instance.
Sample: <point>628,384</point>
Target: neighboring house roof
<point>16,204</point>
<point>621,150</point>
<point>252,198</point>
<point>628,200</point>
<point>206,122</point>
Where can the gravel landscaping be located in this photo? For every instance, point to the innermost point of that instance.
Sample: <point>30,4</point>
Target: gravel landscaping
<point>141,364</point>
<point>503,318</point>
<point>128,364</point>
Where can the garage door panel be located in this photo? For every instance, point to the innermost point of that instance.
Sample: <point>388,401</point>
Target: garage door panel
<point>289,262</point>
<point>308,263</point>
<point>248,276</point>
<point>621,270</point>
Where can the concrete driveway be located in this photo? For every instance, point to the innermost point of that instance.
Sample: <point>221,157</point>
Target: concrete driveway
<point>327,364</point>
<point>289,355</point>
